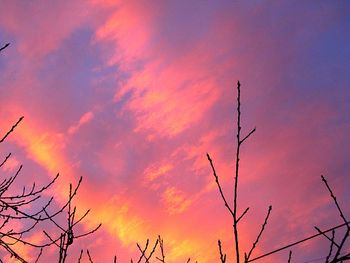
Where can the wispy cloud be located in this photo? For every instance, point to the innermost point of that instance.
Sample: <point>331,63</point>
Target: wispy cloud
<point>87,117</point>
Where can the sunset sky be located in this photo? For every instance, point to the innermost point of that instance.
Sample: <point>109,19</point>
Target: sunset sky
<point>131,95</point>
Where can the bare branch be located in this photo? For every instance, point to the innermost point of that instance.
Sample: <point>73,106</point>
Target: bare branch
<point>89,232</point>
<point>152,252</point>
<point>246,137</point>
<point>331,247</point>
<point>245,211</point>
<point>334,199</point>
<point>80,256</point>
<point>219,186</point>
<point>233,210</point>
<point>12,129</point>
<point>39,255</point>
<point>222,256</point>
<point>161,246</point>
<point>142,251</point>
<point>2,48</point>
<point>12,252</point>
<point>90,259</point>
<point>235,221</point>
<point>6,158</point>
<point>260,233</point>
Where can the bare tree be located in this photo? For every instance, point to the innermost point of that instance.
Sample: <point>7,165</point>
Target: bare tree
<point>336,251</point>
<point>233,208</point>
<point>18,207</point>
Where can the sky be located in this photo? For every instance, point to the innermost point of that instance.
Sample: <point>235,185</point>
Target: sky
<point>131,95</point>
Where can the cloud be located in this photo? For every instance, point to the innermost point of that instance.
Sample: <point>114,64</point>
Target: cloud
<point>175,201</point>
<point>87,117</point>
<point>156,172</point>
<point>157,87</point>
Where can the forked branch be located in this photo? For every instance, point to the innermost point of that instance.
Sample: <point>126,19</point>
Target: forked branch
<point>222,255</point>
<point>233,210</point>
<point>247,256</point>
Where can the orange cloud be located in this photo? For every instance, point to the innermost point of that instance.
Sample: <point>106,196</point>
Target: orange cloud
<point>175,201</point>
<point>154,171</point>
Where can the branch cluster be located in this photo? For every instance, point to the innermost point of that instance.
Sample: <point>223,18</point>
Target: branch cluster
<point>233,209</point>
<point>17,209</point>
<point>336,246</point>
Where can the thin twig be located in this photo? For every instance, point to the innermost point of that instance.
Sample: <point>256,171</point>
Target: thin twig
<point>39,255</point>
<point>161,245</point>
<point>143,251</point>
<point>152,251</point>
<point>6,158</point>
<point>331,247</point>
<point>90,259</point>
<point>334,199</point>
<point>2,48</point>
<point>246,137</point>
<point>81,255</point>
<point>260,233</point>
<point>245,211</point>
<point>222,256</point>
<point>219,186</point>
<point>12,129</point>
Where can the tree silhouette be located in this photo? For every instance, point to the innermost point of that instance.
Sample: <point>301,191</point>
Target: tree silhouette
<point>18,208</point>
<point>337,249</point>
<point>233,211</point>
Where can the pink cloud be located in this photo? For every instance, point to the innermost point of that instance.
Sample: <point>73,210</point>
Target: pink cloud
<point>87,117</point>
<point>158,87</point>
<point>175,201</point>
